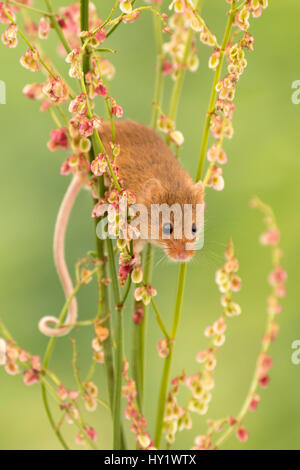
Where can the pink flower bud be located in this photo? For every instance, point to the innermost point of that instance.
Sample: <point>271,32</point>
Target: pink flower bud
<point>271,237</point>
<point>44,28</point>
<point>163,348</point>
<point>167,67</point>
<point>58,139</point>
<point>33,91</point>
<point>138,315</point>
<point>254,403</point>
<point>93,435</point>
<point>31,377</point>
<point>242,434</point>
<point>3,17</point>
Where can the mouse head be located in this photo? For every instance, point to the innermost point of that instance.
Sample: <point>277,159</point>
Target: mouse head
<point>174,219</point>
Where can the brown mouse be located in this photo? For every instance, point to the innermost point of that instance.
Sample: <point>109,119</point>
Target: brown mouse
<point>149,169</point>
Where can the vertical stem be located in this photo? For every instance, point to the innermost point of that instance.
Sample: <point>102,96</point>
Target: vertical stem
<point>114,379</point>
<point>84,26</point>
<point>139,336</point>
<point>50,417</point>
<point>213,95</point>
<point>119,353</point>
<point>139,331</point>
<point>183,267</point>
<point>168,361</point>
<point>105,307</point>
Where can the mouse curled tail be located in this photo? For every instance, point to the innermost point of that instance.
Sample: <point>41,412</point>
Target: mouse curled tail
<point>60,263</point>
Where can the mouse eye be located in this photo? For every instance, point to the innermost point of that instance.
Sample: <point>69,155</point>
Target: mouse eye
<point>194,229</point>
<point>167,229</point>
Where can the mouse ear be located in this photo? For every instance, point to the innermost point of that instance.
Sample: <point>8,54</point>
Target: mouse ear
<point>151,190</point>
<point>199,191</point>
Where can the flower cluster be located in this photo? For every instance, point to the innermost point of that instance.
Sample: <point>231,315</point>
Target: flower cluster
<point>15,359</point>
<point>167,126</point>
<point>144,294</point>
<point>138,423</point>
<point>182,24</point>
<point>68,404</point>
<point>18,361</point>
<point>69,21</point>
<point>174,49</point>
<point>277,279</point>
<point>221,116</point>
<point>117,206</point>
<point>254,7</point>
<point>228,282</point>
<point>175,417</point>
<point>201,384</point>
<point>56,90</point>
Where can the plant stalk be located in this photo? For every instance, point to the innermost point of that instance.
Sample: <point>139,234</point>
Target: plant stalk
<point>213,94</point>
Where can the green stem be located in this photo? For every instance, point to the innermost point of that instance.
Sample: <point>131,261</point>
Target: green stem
<point>84,26</point>
<point>112,380</point>
<point>105,49</point>
<point>57,28</point>
<point>50,417</point>
<point>122,303</point>
<point>139,331</point>
<point>160,320</point>
<point>213,94</point>
<point>139,336</point>
<point>168,361</point>
<point>119,353</point>
<point>104,302</point>
<point>182,270</point>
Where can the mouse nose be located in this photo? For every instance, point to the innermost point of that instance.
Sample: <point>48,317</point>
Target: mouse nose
<point>183,256</point>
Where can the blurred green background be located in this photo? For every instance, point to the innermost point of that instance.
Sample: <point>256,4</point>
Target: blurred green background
<point>263,160</point>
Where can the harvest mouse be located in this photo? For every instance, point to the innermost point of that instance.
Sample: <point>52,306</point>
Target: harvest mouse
<point>148,168</point>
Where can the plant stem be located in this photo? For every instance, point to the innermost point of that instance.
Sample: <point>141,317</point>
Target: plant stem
<point>119,352</point>
<point>168,361</point>
<point>107,345</point>
<point>57,27</point>
<point>182,270</point>
<point>159,320</point>
<point>50,417</point>
<point>114,379</point>
<point>122,303</point>
<point>213,94</point>
<point>139,331</point>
